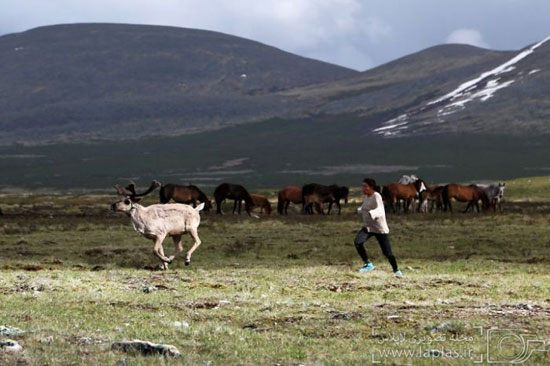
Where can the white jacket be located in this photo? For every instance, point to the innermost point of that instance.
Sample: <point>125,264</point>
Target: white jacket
<point>374,215</point>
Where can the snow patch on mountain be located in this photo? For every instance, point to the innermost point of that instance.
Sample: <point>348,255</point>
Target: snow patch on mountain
<point>479,88</point>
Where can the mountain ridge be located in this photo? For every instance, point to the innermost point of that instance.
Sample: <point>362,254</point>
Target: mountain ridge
<point>100,81</point>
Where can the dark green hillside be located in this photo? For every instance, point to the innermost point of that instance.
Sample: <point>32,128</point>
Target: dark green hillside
<point>263,155</point>
<point>83,81</point>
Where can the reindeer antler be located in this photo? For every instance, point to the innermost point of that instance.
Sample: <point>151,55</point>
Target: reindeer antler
<point>121,191</point>
<point>130,189</point>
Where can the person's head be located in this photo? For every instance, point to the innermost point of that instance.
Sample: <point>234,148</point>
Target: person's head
<point>368,186</point>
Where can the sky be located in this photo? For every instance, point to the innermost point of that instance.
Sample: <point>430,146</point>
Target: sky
<point>359,34</point>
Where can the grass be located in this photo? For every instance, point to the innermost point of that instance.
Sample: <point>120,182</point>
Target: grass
<point>279,290</point>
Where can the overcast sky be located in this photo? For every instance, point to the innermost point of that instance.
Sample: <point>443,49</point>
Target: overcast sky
<point>359,34</point>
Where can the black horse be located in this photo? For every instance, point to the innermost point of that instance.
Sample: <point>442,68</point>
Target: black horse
<point>339,193</point>
<point>233,192</point>
<point>184,194</point>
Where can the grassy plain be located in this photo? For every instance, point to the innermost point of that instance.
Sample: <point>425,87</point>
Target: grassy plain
<point>278,290</point>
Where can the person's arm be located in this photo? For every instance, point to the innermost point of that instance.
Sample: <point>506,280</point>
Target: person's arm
<point>378,211</point>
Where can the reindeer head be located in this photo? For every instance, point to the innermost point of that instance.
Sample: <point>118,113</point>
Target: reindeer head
<point>130,196</point>
<point>125,205</point>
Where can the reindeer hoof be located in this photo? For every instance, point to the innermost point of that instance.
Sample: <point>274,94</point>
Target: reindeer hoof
<point>187,262</point>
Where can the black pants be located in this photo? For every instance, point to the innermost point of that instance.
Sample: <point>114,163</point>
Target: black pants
<point>383,239</point>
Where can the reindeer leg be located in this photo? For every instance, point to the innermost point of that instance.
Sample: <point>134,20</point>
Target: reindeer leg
<point>195,235</point>
<point>163,265</point>
<point>159,252</point>
<point>179,246</point>
<point>234,207</point>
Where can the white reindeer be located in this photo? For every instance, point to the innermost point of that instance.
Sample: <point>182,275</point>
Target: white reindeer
<point>156,222</point>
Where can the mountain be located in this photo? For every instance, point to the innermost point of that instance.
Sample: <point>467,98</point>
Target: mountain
<point>447,89</point>
<point>88,81</point>
<point>88,105</point>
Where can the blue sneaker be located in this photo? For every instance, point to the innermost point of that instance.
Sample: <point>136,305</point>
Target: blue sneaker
<point>367,267</point>
<point>398,273</point>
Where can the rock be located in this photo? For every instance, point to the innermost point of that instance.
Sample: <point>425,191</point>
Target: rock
<point>47,340</point>
<point>443,327</point>
<point>224,302</point>
<point>7,331</point>
<point>149,289</point>
<point>436,353</point>
<point>146,348</point>
<point>9,345</point>
<point>344,316</point>
<point>181,324</point>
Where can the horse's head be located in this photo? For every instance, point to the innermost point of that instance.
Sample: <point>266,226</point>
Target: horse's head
<point>419,185</point>
<point>500,192</point>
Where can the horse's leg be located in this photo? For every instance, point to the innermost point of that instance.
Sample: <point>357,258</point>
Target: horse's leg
<point>240,206</point>
<point>287,203</point>
<point>339,207</point>
<point>407,203</point>
<point>319,207</point>
<point>218,207</point>
<point>329,207</point>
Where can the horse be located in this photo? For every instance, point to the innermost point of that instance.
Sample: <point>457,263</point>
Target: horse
<point>464,193</point>
<point>262,202</point>
<point>494,193</point>
<point>285,196</point>
<point>233,192</point>
<point>319,194</point>
<point>184,194</point>
<point>339,193</point>
<point>432,195</point>
<point>406,192</point>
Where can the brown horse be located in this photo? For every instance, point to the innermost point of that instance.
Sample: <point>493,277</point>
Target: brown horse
<point>262,202</point>
<point>285,196</point>
<point>319,194</point>
<point>233,192</point>
<point>433,196</point>
<point>463,193</point>
<point>184,194</point>
<point>406,192</point>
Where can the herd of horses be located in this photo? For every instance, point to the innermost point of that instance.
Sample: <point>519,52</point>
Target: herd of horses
<point>314,197</point>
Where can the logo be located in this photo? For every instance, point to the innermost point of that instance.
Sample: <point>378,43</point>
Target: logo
<point>511,346</point>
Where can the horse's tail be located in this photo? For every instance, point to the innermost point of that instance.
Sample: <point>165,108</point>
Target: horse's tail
<point>445,197</point>
<point>280,202</point>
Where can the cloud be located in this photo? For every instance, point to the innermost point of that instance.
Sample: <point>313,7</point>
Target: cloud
<point>467,36</point>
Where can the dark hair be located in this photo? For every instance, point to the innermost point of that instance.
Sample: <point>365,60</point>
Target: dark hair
<point>371,182</point>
